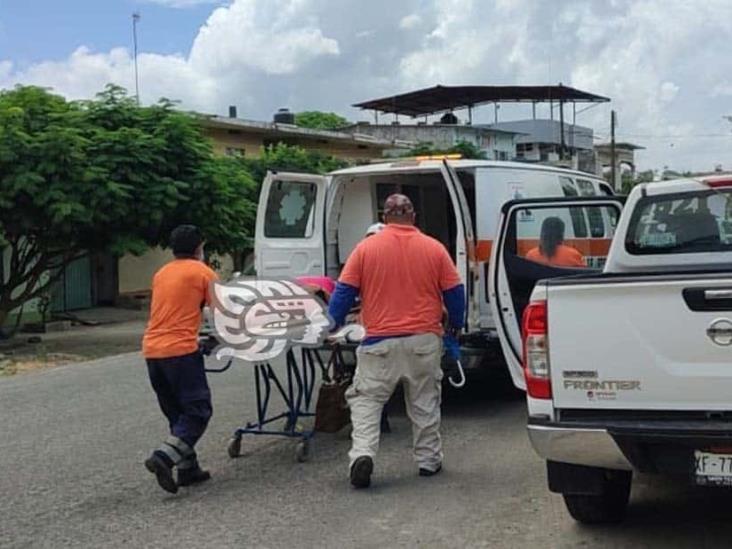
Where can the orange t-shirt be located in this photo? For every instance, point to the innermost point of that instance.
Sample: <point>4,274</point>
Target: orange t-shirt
<point>401,274</point>
<point>179,290</point>
<point>564,256</point>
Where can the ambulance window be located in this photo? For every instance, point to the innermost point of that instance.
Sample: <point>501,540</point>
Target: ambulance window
<point>586,188</point>
<point>606,189</point>
<point>290,210</point>
<point>594,215</point>
<point>579,224</point>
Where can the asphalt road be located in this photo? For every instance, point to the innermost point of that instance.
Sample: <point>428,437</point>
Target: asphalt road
<point>73,440</point>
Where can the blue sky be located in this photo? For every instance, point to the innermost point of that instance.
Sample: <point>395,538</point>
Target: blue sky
<point>38,30</point>
<point>664,63</point>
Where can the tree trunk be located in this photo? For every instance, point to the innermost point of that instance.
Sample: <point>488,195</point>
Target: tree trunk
<point>3,318</point>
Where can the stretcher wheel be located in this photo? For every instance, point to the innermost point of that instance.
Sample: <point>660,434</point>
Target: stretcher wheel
<point>234,447</point>
<point>302,451</point>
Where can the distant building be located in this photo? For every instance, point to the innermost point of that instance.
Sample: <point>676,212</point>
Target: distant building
<point>498,144</point>
<point>537,140</point>
<point>624,160</point>
<point>241,137</point>
<point>540,140</point>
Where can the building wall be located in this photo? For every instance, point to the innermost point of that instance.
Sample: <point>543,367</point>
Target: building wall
<point>222,140</point>
<point>136,272</point>
<point>548,131</point>
<point>251,144</point>
<point>443,136</point>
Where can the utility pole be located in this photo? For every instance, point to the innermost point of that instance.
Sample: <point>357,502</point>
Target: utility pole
<point>135,19</point>
<point>561,130</point>
<point>613,156</point>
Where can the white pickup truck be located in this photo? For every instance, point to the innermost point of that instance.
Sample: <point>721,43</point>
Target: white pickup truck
<point>627,369</point>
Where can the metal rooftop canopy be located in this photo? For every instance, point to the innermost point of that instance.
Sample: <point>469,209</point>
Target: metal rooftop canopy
<point>447,98</point>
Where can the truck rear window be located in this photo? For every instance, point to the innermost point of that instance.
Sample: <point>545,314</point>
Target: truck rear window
<point>681,224</point>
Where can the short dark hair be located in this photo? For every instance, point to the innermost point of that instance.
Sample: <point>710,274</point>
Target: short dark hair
<point>185,239</point>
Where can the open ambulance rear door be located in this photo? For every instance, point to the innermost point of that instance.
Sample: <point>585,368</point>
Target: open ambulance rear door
<point>465,257</point>
<point>512,276</point>
<point>289,235</point>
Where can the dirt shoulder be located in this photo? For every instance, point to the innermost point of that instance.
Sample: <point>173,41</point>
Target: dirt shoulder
<point>122,333</point>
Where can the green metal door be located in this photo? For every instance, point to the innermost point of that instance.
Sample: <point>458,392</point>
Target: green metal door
<point>78,284</point>
<point>73,290</point>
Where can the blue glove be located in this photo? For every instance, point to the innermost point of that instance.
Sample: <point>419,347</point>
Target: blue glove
<point>451,346</point>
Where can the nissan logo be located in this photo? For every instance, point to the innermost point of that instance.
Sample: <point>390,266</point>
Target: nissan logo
<point>720,332</point>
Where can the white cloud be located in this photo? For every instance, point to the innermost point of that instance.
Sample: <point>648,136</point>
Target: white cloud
<point>410,21</point>
<point>663,62</point>
<point>668,92</point>
<point>234,47</point>
<point>276,37</point>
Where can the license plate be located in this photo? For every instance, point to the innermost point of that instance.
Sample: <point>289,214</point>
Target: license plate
<point>713,469</point>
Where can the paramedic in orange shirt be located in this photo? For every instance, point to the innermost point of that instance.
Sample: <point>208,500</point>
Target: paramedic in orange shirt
<point>403,278</point>
<point>175,365</point>
<point>552,250</point>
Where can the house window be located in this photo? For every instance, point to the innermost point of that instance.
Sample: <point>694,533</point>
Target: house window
<point>524,149</point>
<point>235,151</point>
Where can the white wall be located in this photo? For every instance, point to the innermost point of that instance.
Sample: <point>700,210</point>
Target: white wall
<point>136,272</point>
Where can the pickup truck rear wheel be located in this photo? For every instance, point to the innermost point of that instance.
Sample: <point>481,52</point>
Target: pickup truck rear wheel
<point>607,507</point>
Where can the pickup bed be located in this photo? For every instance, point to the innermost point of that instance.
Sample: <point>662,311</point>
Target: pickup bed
<point>630,369</point>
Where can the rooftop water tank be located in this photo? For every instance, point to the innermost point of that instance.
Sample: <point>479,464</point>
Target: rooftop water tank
<point>284,116</point>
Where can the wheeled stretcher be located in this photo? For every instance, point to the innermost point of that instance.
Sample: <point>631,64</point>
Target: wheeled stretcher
<point>295,383</point>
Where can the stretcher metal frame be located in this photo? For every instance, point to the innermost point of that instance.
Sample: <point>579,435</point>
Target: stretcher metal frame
<point>296,390</point>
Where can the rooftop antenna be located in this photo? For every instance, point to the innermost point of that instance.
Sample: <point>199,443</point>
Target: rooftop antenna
<point>135,19</point>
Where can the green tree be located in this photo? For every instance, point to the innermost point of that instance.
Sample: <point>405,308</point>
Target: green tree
<point>288,158</point>
<point>463,148</point>
<point>106,174</point>
<point>629,181</point>
<point>317,120</point>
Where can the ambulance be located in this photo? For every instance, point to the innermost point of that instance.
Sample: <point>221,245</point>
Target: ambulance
<point>309,224</point>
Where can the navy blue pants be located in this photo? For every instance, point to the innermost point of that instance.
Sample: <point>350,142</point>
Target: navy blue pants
<point>183,393</point>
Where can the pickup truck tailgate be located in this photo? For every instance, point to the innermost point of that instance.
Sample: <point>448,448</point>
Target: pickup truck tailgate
<point>641,342</point>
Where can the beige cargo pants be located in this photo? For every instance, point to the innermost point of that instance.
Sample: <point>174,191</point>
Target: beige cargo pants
<point>414,361</point>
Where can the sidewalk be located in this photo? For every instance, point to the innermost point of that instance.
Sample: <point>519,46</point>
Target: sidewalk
<point>94,333</point>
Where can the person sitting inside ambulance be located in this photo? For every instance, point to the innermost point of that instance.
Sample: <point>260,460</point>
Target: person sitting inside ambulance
<point>552,250</point>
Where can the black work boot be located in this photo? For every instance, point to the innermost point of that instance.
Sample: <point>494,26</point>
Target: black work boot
<point>429,472</point>
<point>190,472</point>
<point>161,466</point>
<point>361,472</point>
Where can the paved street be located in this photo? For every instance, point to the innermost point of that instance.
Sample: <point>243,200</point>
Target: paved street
<point>74,438</point>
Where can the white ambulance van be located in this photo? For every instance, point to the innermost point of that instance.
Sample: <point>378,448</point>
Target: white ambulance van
<point>309,224</point>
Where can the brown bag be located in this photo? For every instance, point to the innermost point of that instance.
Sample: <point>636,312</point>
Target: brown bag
<point>331,410</point>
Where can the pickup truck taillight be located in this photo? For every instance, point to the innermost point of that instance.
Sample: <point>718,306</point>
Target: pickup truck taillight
<point>536,350</point>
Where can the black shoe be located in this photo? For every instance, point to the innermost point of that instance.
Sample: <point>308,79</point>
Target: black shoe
<point>361,472</point>
<point>192,475</point>
<point>163,471</point>
<point>428,473</point>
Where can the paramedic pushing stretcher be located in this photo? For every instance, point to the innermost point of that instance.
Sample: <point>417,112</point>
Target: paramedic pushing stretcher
<point>403,277</point>
<point>174,362</point>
